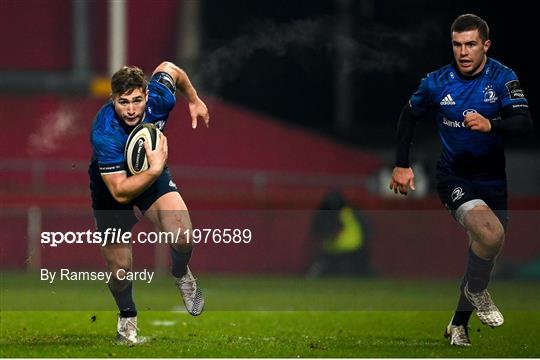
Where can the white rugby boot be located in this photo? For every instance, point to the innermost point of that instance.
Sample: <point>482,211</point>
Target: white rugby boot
<point>458,335</point>
<point>487,312</point>
<point>127,331</point>
<point>191,294</point>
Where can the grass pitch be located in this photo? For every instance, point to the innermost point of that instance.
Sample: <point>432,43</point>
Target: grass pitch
<point>263,317</point>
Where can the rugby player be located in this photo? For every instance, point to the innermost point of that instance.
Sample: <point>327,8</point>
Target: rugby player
<point>478,102</point>
<point>115,193</point>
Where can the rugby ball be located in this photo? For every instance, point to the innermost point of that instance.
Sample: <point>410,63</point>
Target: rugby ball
<point>135,152</point>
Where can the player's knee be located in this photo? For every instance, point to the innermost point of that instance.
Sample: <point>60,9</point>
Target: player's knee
<point>172,221</point>
<point>184,242</point>
<point>497,237</point>
<point>119,268</point>
<point>492,236</point>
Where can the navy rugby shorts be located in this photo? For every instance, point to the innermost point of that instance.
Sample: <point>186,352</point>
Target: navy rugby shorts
<point>459,195</point>
<point>109,213</point>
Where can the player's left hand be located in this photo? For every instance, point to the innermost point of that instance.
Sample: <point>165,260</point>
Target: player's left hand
<point>402,180</point>
<point>198,108</point>
<point>477,122</point>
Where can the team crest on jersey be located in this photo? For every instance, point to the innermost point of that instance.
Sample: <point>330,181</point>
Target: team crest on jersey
<point>489,95</point>
<point>447,100</point>
<point>457,194</point>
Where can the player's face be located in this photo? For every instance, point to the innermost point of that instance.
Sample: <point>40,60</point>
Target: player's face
<point>469,51</point>
<point>130,106</point>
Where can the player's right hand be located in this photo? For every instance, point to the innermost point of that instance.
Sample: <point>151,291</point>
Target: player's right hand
<point>477,122</point>
<point>198,109</point>
<point>157,158</point>
<point>402,180</point>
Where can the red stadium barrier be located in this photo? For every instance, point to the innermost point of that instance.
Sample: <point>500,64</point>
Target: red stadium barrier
<point>243,162</point>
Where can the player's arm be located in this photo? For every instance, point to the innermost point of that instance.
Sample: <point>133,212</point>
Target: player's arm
<point>515,120</point>
<point>197,107</point>
<point>125,189</point>
<point>420,103</point>
<point>402,175</point>
<point>515,117</point>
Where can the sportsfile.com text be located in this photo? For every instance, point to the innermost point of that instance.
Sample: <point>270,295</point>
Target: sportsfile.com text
<point>117,236</point>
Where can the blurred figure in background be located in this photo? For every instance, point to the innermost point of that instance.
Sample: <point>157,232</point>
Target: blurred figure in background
<point>341,237</point>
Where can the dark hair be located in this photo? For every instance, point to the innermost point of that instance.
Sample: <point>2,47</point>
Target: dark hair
<point>127,79</point>
<point>468,22</point>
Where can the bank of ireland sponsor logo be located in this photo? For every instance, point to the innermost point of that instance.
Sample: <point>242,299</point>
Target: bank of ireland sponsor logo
<point>457,194</point>
<point>452,123</point>
<point>469,111</point>
<point>489,95</point>
<point>447,100</point>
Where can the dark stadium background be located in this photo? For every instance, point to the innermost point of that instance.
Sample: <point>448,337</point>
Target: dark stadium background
<point>304,97</point>
<point>298,84</point>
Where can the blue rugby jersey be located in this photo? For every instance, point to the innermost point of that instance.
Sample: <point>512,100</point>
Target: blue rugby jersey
<point>109,133</point>
<point>469,153</point>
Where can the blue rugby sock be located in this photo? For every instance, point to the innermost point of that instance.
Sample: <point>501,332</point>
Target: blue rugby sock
<point>464,308</point>
<point>477,278</point>
<point>123,298</point>
<point>180,261</point>
<point>478,272</point>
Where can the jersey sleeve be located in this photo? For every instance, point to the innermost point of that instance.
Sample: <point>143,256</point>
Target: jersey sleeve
<point>515,117</point>
<point>108,153</point>
<point>510,90</point>
<point>421,101</point>
<point>161,94</point>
